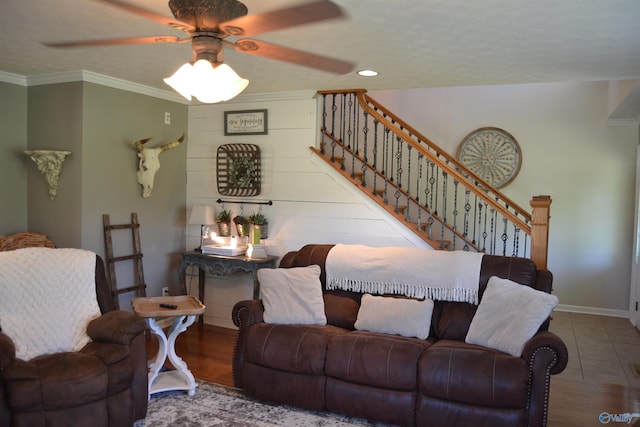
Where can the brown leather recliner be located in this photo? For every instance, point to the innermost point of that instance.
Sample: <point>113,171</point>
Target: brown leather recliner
<point>440,381</point>
<point>103,384</point>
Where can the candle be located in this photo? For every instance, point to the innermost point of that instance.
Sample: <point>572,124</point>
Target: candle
<point>256,234</point>
<point>234,242</point>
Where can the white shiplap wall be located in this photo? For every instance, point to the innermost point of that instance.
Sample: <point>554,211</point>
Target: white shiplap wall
<point>311,202</point>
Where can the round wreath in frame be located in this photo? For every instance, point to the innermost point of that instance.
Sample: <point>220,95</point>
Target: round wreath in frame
<point>238,170</point>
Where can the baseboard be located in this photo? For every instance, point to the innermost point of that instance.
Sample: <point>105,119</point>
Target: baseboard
<point>593,310</point>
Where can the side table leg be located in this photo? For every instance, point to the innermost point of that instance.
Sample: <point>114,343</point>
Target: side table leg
<point>177,328</point>
<point>161,356</point>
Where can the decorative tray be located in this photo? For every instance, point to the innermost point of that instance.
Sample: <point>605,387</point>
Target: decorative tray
<point>150,306</point>
<point>224,250</point>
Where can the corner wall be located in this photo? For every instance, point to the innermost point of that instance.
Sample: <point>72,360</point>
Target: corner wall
<point>13,162</point>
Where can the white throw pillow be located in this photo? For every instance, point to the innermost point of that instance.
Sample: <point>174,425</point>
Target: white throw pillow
<point>401,316</point>
<point>508,316</point>
<point>292,295</point>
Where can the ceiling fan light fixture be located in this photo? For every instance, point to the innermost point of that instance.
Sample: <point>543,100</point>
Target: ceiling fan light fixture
<point>207,82</point>
<point>180,81</point>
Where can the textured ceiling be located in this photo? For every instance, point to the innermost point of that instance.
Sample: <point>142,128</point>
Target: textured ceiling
<point>412,43</point>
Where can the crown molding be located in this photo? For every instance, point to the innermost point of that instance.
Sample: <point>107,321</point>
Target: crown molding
<point>15,79</point>
<point>90,77</point>
<point>103,80</point>
<point>113,82</point>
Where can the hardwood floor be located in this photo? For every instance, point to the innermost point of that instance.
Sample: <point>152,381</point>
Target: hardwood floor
<point>575,400</point>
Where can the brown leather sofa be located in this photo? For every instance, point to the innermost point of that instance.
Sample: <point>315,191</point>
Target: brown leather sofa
<point>441,381</point>
<point>103,384</point>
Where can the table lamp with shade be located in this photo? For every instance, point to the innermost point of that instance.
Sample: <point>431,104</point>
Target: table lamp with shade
<point>203,215</point>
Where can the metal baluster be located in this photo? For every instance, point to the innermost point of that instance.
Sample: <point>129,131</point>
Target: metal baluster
<point>455,213</point>
<point>418,190</point>
<point>398,157</point>
<point>334,108</point>
<point>483,226</point>
<point>356,148</point>
<point>492,232</point>
<point>349,115</point>
<point>343,99</point>
<point>385,160</point>
<point>365,151</point>
<point>445,183</point>
<point>467,211</point>
<point>375,163</point>
<point>407,215</point>
<point>324,123</point>
<point>504,236</point>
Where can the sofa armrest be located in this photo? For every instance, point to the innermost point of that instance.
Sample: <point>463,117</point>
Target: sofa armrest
<point>244,314</point>
<point>559,353</point>
<point>248,312</point>
<point>119,327</point>
<point>7,351</point>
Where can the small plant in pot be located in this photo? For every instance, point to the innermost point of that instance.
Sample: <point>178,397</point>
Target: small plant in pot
<point>224,222</point>
<point>242,225</point>
<point>260,222</point>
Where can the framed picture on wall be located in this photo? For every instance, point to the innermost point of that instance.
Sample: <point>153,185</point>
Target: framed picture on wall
<point>246,122</point>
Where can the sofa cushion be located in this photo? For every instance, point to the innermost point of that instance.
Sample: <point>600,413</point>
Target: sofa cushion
<point>467,373</point>
<point>292,295</point>
<point>391,315</point>
<point>341,311</point>
<point>508,316</point>
<point>292,348</point>
<point>374,359</point>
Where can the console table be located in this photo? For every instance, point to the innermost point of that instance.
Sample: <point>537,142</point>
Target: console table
<point>222,265</point>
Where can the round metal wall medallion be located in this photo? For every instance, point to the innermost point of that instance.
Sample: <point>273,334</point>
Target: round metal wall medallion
<point>491,153</point>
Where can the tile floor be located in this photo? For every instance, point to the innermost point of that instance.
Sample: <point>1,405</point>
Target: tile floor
<point>601,348</point>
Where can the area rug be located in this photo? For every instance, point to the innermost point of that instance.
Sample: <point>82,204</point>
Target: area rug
<point>217,405</point>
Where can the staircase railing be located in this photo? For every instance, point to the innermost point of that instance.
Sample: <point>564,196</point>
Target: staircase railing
<point>424,187</point>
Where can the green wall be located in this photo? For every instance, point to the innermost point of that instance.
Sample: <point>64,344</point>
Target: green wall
<point>13,162</point>
<point>99,125</point>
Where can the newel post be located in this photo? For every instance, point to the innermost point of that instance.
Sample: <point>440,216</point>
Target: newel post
<point>540,207</point>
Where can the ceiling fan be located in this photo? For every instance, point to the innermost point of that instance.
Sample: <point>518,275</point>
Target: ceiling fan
<point>209,23</point>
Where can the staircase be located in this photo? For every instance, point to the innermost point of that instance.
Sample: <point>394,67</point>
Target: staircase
<point>423,187</point>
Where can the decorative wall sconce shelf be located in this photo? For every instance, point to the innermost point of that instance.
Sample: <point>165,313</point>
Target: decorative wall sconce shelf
<point>49,164</point>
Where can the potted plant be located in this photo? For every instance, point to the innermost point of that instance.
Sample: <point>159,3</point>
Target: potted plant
<point>242,225</point>
<point>260,223</point>
<point>223,219</point>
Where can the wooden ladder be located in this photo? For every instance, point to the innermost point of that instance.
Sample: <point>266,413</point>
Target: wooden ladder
<point>139,286</point>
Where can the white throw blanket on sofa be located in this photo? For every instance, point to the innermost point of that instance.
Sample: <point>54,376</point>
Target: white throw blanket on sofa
<point>414,272</point>
<point>47,298</point>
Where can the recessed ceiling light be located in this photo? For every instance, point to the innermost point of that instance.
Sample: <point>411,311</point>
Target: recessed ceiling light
<point>367,73</point>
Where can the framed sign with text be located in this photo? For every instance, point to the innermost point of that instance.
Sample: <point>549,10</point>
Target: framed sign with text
<point>247,122</point>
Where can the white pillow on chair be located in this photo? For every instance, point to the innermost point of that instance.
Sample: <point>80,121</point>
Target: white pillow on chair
<point>508,316</point>
<point>292,295</point>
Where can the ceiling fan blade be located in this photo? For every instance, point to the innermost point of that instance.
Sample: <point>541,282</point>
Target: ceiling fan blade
<point>116,42</point>
<point>257,23</point>
<point>298,57</point>
<point>171,22</point>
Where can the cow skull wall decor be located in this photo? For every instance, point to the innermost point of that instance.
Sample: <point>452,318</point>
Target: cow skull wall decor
<point>149,162</point>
